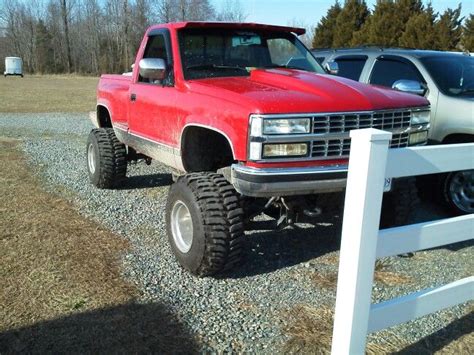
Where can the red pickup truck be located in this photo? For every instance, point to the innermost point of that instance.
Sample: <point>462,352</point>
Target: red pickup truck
<point>249,122</point>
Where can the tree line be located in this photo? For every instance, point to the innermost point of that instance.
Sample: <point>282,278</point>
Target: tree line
<point>92,36</point>
<point>394,23</point>
<point>97,36</point>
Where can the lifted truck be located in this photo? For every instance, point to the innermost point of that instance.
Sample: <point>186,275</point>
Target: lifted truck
<point>249,122</point>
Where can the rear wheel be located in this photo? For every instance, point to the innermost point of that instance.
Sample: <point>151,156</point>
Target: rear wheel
<point>399,204</point>
<point>106,159</point>
<point>205,223</point>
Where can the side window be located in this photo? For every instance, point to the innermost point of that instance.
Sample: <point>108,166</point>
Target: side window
<point>351,66</point>
<point>320,60</point>
<point>386,71</point>
<point>283,52</point>
<point>155,48</point>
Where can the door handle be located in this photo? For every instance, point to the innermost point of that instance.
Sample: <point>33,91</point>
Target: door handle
<point>133,97</point>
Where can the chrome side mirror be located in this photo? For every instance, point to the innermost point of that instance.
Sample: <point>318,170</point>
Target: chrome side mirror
<point>409,86</point>
<point>152,68</point>
<point>332,67</point>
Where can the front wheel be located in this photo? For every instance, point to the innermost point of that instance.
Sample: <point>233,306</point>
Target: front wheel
<point>457,190</point>
<point>399,204</point>
<point>204,223</point>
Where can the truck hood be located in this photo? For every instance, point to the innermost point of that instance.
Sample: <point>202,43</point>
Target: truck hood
<point>296,91</point>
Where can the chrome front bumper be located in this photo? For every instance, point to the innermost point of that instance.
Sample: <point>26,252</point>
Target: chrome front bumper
<point>267,182</point>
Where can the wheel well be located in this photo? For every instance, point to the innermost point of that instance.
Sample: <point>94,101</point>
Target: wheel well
<point>459,138</point>
<point>103,117</point>
<point>203,149</point>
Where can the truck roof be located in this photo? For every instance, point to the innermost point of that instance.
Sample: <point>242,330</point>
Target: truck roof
<point>235,25</point>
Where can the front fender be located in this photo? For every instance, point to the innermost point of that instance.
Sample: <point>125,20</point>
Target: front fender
<point>235,134</point>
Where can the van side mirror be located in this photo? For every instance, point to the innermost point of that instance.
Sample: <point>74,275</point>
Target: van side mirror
<point>152,68</point>
<point>332,67</point>
<point>410,86</point>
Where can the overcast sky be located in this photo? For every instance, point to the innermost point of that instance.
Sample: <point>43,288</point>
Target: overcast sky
<point>308,12</point>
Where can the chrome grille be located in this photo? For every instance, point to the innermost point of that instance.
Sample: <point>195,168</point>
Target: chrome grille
<point>340,147</point>
<point>342,123</point>
<point>399,140</point>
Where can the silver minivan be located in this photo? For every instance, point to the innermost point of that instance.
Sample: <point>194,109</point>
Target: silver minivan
<point>446,79</point>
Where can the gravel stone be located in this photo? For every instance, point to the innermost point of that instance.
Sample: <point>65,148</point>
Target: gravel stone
<point>244,309</point>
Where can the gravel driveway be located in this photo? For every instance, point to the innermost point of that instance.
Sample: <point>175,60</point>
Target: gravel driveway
<point>245,310</point>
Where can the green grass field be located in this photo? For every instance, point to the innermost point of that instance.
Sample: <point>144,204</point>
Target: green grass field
<point>48,93</point>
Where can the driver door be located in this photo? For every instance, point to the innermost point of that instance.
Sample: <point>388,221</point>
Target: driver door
<point>152,109</point>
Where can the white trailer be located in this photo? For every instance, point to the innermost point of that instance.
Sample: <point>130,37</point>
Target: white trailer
<point>13,66</point>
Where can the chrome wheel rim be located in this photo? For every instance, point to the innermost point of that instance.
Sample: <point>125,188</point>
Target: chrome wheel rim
<point>461,190</point>
<point>91,158</point>
<point>181,226</point>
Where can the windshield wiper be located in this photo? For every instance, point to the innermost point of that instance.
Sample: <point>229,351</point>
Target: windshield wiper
<point>215,66</point>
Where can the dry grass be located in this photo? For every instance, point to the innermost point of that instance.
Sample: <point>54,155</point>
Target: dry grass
<point>330,259</point>
<point>53,260</point>
<point>310,329</point>
<point>389,278</point>
<point>381,274</point>
<point>310,332</point>
<point>48,93</point>
<point>61,287</point>
<point>327,281</point>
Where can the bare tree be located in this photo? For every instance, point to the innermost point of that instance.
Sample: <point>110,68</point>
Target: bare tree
<point>307,38</point>
<point>165,11</point>
<point>90,36</point>
<point>231,11</point>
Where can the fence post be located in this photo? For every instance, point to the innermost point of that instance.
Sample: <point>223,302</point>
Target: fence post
<point>365,182</point>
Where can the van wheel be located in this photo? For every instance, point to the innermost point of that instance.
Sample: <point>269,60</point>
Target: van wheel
<point>204,222</point>
<point>457,191</point>
<point>399,204</point>
<point>106,159</point>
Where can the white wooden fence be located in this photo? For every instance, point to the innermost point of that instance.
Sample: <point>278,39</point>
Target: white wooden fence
<point>371,161</point>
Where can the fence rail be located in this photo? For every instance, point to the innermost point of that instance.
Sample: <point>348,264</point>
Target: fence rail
<point>362,243</point>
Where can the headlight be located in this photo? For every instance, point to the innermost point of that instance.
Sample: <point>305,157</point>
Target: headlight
<point>285,150</point>
<point>286,126</point>
<point>418,137</point>
<point>420,117</point>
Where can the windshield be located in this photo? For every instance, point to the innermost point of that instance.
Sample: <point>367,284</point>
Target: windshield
<point>227,52</point>
<point>453,74</point>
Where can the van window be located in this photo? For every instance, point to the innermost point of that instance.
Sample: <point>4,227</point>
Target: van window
<point>388,70</point>
<point>320,60</point>
<point>351,66</point>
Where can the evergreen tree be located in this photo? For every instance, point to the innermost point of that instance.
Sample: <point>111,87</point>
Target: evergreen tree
<point>419,30</point>
<point>378,29</point>
<point>407,9</point>
<point>388,22</point>
<point>448,29</point>
<point>468,34</point>
<point>44,49</point>
<point>350,19</point>
<point>324,31</point>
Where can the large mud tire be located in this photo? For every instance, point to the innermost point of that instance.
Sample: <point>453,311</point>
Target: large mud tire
<point>106,159</point>
<point>204,222</point>
<point>400,203</point>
